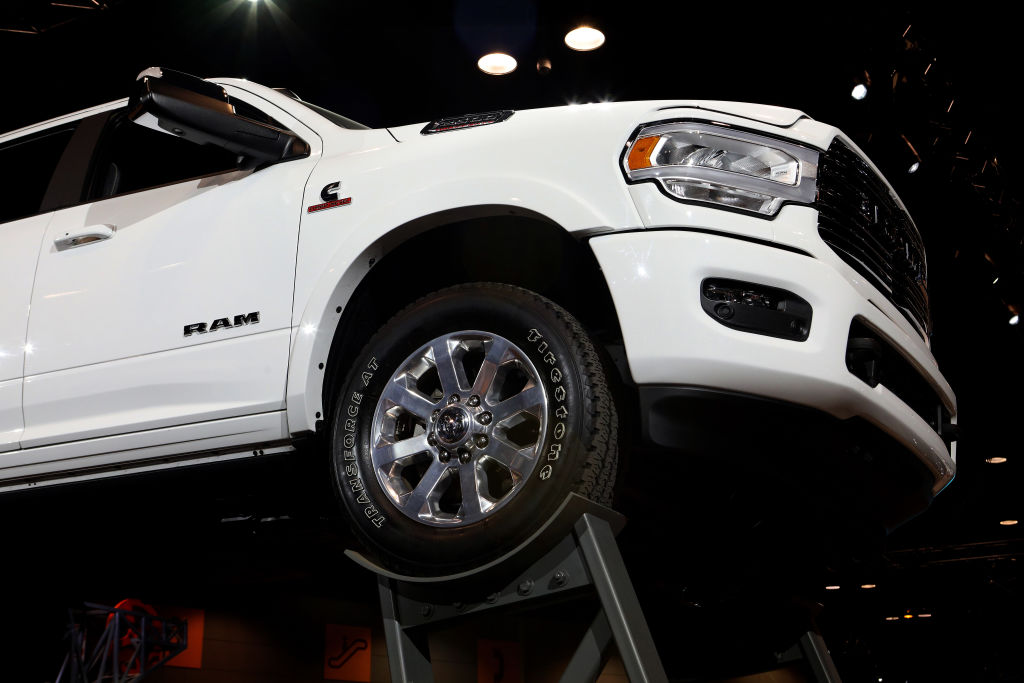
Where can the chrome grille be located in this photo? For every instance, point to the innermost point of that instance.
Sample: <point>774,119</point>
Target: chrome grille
<point>859,218</point>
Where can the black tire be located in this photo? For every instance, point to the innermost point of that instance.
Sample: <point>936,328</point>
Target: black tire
<point>575,452</point>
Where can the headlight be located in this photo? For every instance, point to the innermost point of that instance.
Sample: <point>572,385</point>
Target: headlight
<point>733,168</point>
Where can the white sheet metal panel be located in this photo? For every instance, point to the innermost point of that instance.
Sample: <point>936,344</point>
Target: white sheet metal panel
<point>19,249</point>
<point>203,382</point>
<point>106,316</point>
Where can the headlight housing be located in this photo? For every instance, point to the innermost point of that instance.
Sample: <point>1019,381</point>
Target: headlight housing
<point>728,167</point>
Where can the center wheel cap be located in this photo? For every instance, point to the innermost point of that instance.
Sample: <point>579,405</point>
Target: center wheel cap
<point>452,425</point>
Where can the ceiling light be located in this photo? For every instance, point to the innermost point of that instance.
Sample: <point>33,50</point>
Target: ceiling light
<point>859,92</point>
<point>584,39</point>
<point>831,588</point>
<point>1008,522</point>
<point>923,616</point>
<point>996,280</point>
<point>995,460</point>
<point>497,64</point>
<point>868,585</point>
<point>914,166</point>
<point>1014,319</point>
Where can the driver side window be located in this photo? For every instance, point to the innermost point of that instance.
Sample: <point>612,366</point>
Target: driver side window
<point>133,158</point>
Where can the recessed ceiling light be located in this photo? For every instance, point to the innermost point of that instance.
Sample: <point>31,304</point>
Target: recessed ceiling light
<point>831,588</point>
<point>1014,319</point>
<point>995,460</point>
<point>924,616</point>
<point>859,92</point>
<point>584,39</point>
<point>868,585</point>
<point>1008,522</point>
<point>497,64</point>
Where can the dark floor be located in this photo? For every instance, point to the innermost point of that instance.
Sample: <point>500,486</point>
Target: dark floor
<point>256,546</point>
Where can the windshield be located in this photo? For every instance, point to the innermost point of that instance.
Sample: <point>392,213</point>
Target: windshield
<point>336,119</point>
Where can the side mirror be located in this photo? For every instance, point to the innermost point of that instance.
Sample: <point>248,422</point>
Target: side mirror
<point>200,111</point>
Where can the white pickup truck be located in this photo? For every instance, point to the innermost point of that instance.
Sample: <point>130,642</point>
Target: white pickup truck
<point>463,310</point>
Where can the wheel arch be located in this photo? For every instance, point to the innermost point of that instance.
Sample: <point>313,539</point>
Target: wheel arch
<point>476,243</point>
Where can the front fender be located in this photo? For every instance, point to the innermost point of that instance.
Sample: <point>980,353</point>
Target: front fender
<point>333,258</point>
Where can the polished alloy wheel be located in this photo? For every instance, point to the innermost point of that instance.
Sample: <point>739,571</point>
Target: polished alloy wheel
<point>458,428</point>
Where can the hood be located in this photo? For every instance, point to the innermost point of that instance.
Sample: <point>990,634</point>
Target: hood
<point>761,113</point>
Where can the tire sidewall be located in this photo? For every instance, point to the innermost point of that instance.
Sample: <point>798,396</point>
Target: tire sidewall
<point>543,336</point>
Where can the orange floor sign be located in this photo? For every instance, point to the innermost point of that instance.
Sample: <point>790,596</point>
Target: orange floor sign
<point>347,653</point>
<point>192,656</point>
<point>499,661</point>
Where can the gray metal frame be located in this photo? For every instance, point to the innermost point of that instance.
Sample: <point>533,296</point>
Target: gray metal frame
<point>574,550</point>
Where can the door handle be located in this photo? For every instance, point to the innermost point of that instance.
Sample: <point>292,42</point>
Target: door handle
<point>86,235</point>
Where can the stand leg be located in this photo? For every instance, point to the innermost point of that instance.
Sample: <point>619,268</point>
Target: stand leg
<point>408,656</point>
<point>592,653</point>
<point>813,647</point>
<point>621,607</point>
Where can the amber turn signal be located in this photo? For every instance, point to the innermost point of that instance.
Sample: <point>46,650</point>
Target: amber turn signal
<point>640,155</point>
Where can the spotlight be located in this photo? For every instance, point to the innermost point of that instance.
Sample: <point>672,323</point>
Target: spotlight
<point>497,64</point>
<point>914,166</point>
<point>831,588</point>
<point>859,92</point>
<point>584,39</point>
<point>868,586</point>
<point>995,460</point>
<point>1008,522</point>
<point>1014,319</point>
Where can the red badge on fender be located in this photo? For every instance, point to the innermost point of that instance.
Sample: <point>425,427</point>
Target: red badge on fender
<point>329,205</point>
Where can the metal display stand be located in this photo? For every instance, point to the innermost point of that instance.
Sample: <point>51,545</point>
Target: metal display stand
<point>575,549</point>
<point>811,649</point>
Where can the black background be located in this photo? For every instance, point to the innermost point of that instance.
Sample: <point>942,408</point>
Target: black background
<point>946,82</point>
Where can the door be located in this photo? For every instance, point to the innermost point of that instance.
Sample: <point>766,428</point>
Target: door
<point>164,300</point>
<point>28,162</point>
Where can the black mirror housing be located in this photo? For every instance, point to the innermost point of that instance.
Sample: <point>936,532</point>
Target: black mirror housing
<point>201,112</point>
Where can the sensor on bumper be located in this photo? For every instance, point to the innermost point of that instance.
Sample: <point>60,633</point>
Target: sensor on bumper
<point>756,308</point>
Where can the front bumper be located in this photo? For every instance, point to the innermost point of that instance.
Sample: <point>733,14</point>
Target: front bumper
<point>655,275</point>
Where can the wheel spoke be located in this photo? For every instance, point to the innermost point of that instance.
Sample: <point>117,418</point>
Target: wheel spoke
<point>489,368</point>
<point>426,487</point>
<point>519,461</point>
<point>401,395</point>
<point>527,399</point>
<point>388,453</point>
<point>448,371</point>
<point>470,492</point>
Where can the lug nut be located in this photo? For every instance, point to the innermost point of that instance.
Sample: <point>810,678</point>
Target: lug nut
<point>473,401</point>
<point>434,415</point>
<point>431,439</point>
<point>484,418</point>
<point>480,440</point>
<point>444,455</point>
<point>454,398</point>
<point>463,456</point>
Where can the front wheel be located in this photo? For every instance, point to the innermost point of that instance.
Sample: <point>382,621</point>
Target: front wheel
<point>463,424</point>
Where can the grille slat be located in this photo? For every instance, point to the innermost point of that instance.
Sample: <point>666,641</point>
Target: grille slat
<point>864,225</point>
